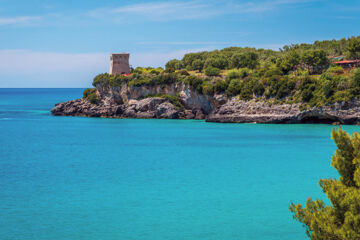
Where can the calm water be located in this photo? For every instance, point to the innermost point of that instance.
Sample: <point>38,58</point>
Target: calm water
<point>86,178</point>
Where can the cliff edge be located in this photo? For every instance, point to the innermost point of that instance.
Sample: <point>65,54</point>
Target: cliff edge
<point>182,101</point>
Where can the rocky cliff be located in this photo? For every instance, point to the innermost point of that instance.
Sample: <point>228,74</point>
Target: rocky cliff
<point>153,102</point>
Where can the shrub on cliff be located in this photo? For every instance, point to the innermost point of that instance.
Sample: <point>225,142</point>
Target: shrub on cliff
<point>356,78</point>
<point>341,219</point>
<point>232,75</point>
<point>195,82</point>
<point>183,72</point>
<point>88,91</point>
<point>118,80</point>
<point>198,64</point>
<point>174,64</point>
<point>101,79</point>
<point>335,70</point>
<point>90,95</point>
<point>289,61</point>
<point>245,60</point>
<point>220,85</point>
<point>207,88</point>
<point>234,87</point>
<point>218,61</point>
<point>212,71</point>
<point>316,59</point>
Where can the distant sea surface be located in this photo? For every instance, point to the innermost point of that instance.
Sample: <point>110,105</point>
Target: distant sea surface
<point>132,179</point>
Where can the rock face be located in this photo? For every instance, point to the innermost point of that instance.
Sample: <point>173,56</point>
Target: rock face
<point>235,111</point>
<point>132,102</point>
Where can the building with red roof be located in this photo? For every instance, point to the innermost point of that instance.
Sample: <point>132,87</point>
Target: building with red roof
<point>348,63</point>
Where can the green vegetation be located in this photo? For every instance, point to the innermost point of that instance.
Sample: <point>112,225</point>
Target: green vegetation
<point>340,220</point>
<point>90,95</point>
<point>297,73</point>
<point>174,100</point>
<point>212,71</point>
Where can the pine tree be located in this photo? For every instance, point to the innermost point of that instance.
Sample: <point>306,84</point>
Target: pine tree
<point>340,220</point>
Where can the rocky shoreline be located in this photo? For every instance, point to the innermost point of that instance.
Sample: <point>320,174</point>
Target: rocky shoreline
<point>131,102</point>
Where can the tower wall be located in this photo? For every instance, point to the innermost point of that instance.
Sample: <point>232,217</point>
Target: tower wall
<point>119,63</point>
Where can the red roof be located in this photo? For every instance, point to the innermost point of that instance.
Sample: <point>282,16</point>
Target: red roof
<point>347,61</point>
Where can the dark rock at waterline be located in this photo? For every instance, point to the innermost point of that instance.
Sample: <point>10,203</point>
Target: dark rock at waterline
<point>132,102</point>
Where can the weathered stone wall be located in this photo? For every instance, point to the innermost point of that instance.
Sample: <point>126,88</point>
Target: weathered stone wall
<point>119,63</point>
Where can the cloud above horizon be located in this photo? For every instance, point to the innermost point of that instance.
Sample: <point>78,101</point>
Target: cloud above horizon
<point>187,10</point>
<point>161,11</point>
<point>52,69</point>
<point>18,20</point>
<point>66,43</point>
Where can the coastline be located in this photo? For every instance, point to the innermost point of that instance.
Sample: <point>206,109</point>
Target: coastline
<point>132,102</point>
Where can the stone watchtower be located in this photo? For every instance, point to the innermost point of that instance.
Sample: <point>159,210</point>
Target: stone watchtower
<point>119,63</point>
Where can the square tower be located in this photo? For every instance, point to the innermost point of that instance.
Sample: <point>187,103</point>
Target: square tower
<point>119,63</point>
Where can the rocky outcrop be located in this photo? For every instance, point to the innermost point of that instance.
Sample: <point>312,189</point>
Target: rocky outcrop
<point>134,102</point>
<point>235,111</point>
<point>154,107</point>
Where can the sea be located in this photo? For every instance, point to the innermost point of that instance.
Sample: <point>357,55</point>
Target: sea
<point>146,179</point>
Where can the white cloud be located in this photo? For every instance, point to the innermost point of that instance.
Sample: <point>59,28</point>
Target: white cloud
<point>265,6</point>
<point>154,11</point>
<point>158,11</point>
<point>186,43</point>
<point>29,62</point>
<point>169,10</point>
<point>24,68</point>
<point>18,20</point>
<point>187,10</point>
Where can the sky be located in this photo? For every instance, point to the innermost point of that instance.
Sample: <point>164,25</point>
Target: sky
<point>65,43</point>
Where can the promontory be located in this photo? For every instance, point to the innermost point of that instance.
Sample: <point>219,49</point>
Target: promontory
<point>302,83</point>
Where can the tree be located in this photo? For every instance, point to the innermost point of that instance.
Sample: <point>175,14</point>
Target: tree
<point>212,71</point>
<point>234,87</point>
<point>354,47</point>
<point>317,59</point>
<point>173,64</point>
<point>218,61</point>
<point>340,220</point>
<point>198,64</point>
<point>290,60</point>
<point>356,78</point>
<point>243,60</point>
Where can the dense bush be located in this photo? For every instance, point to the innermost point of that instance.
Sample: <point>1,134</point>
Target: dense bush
<point>198,64</point>
<point>101,79</point>
<point>207,88</point>
<point>234,87</point>
<point>220,85</point>
<point>212,71</point>
<point>356,78</point>
<point>245,60</point>
<point>183,72</point>
<point>90,95</point>
<point>174,64</point>
<point>335,70</point>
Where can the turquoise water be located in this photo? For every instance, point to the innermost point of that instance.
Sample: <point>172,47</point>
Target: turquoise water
<point>91,178</point>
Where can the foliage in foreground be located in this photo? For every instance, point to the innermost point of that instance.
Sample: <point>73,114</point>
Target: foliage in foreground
<point>340,220</point>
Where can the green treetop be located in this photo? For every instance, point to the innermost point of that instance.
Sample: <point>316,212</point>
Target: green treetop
<point>340,220</point>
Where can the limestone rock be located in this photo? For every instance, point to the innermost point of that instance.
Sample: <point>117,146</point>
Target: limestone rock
<point>133,102</point>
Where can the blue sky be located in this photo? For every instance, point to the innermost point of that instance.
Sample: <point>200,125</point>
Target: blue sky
<point>66,43</point>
